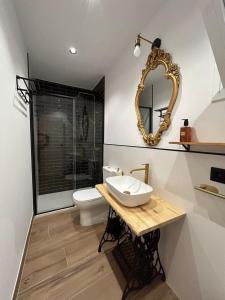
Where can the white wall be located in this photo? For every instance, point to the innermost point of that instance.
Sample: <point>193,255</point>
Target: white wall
<point>186,39</point>
<point>15,160</point>
<point>193,251</point>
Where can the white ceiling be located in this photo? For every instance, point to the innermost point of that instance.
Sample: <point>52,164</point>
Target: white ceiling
<point>99,29</point>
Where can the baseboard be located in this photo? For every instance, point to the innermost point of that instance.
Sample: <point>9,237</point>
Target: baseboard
<point>172,289</point>
<point>15,293</point>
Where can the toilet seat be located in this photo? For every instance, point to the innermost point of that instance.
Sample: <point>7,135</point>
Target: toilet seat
<point>88,198</point>
<point>86,195</point>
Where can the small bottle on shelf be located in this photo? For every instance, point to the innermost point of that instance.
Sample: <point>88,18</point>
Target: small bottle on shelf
<point>186,132</point>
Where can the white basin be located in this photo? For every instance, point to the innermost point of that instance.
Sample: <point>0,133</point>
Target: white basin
<point>128,190</point>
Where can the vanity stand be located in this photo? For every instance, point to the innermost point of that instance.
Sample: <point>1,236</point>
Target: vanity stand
<point>137,232</point>
<point>115,229</point>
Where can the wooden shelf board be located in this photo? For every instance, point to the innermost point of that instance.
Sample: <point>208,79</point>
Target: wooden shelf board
<point>208,192</point>
<point>145,218</point>
<point>199,143</point>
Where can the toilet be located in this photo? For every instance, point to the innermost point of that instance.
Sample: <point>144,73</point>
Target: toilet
<point>93,207</point>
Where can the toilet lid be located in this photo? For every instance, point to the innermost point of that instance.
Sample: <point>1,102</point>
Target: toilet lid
<point>87,195</point>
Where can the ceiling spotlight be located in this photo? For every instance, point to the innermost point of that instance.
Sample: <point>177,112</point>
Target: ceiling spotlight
<point>137,47</point>
<point>72,50</point>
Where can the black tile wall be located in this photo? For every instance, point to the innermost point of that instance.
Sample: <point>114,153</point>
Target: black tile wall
<point>55,143</point>
<point>52,88</point>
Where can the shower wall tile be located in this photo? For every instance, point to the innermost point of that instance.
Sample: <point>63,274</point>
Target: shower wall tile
<point>55,143</point>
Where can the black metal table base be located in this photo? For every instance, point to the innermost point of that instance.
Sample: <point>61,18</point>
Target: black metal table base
<point>138,257</point>
<point>115,229</point>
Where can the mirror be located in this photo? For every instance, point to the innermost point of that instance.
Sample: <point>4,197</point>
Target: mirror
<point>156,95</point>
<point>154,100</point>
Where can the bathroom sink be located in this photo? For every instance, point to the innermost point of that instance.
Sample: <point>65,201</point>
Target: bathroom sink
<point>128,190</point>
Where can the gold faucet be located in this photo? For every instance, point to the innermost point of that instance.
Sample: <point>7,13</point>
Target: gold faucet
<point>146,169</point>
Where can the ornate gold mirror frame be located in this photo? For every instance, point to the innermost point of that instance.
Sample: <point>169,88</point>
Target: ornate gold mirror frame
<point>155,58</point>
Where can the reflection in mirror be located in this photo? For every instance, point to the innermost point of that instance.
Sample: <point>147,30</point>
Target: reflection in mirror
<point>155,98</point>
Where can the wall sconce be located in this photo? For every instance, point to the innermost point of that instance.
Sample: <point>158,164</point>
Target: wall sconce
<point>137,47</point>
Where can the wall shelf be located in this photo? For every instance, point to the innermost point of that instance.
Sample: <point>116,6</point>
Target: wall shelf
<point>208,192</point>
<point>187,145</point>
<point>26,87</point>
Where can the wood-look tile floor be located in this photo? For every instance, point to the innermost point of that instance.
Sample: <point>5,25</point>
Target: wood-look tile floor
<point>62,263</point>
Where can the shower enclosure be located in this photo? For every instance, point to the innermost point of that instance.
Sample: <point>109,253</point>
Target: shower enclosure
<point>68,143</point>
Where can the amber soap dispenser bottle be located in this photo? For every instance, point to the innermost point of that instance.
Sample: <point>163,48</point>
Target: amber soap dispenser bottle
<point>185,132</point>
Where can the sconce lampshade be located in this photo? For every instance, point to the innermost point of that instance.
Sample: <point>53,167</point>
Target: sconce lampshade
<point>137,50</point>
<point>137,47</point>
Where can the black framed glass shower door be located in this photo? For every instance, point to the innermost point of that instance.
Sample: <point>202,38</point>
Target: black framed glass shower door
<point>53,129</point>
<point>68,134</point>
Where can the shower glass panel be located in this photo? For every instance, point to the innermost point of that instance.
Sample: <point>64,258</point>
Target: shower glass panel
<point>53,130</point>
<point>88,134</point>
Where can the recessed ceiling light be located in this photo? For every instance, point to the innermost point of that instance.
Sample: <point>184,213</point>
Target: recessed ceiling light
<point>72,50</point>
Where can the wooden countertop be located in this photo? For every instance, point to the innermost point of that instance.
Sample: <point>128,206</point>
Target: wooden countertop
<point>145,218</point>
